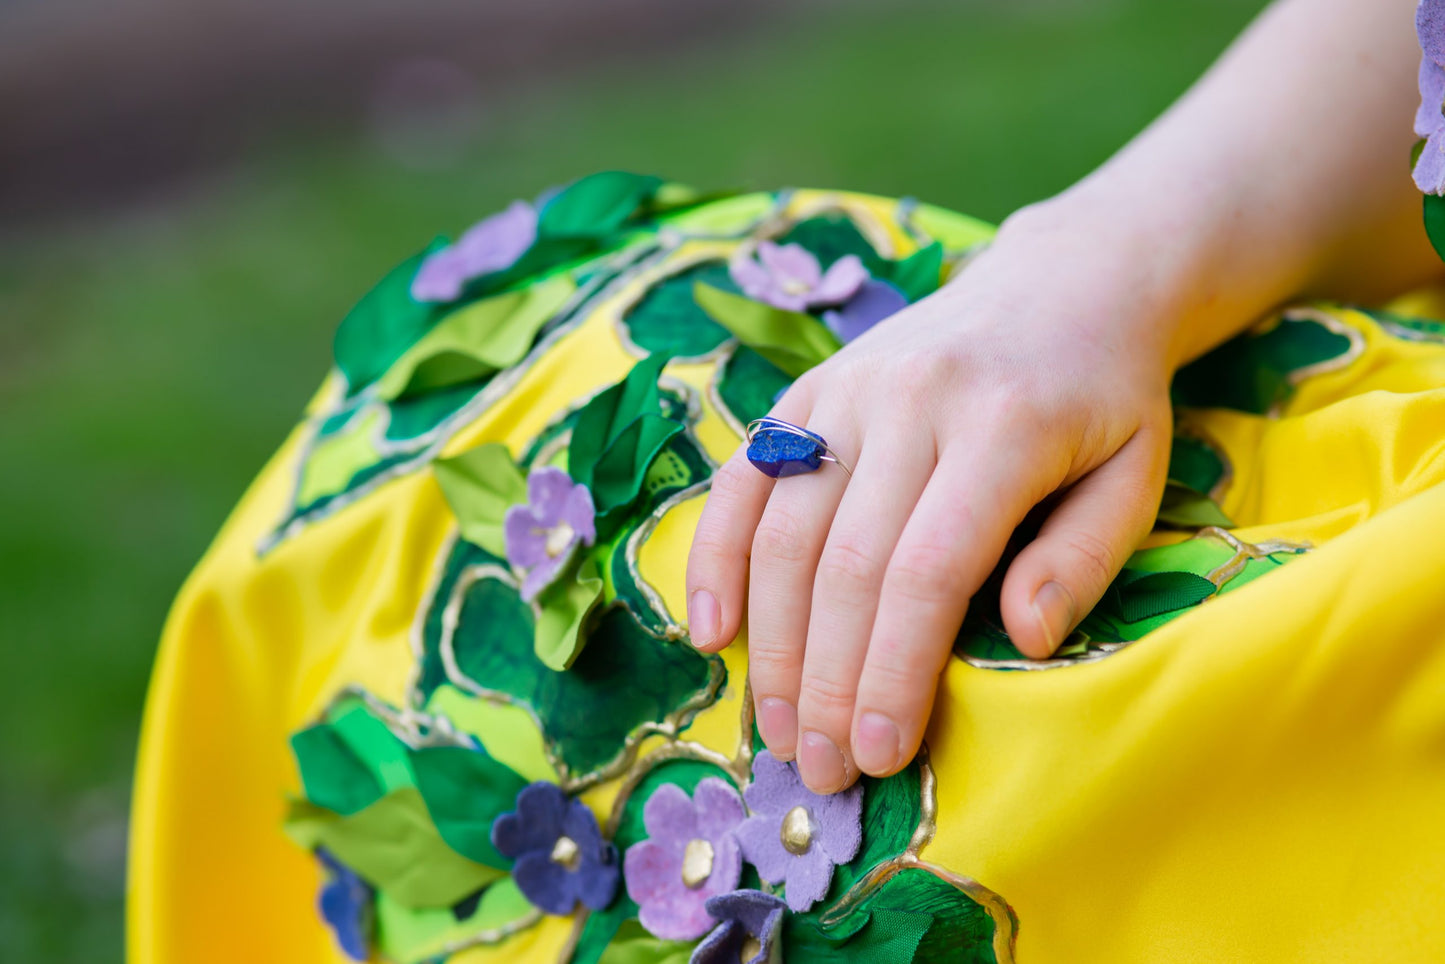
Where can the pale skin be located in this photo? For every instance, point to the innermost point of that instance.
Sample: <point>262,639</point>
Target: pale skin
<point>1039,377</point>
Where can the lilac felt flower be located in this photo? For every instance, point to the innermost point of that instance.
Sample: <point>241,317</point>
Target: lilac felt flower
<point>748,932</point>
<point>789,277</point>
<point>873,302</point>
<point>345,904</point>
<point>794,835</point>
<point>690,856</point>
<point>560,855</point>
<point>1430,118</point>
<point>541,536</point>
<point>493,244</point>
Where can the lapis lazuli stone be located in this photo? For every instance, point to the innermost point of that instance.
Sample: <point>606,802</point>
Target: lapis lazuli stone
<point>778,453</point>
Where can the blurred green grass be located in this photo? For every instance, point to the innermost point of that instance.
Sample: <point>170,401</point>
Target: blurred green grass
<point>149,363</point>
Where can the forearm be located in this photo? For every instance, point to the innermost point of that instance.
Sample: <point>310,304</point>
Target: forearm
<point>1284,172</point>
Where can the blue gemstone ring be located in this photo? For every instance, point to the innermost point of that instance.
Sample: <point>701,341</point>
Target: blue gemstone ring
<point>780,449</point>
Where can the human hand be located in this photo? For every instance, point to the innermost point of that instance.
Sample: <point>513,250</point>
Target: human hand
<point>1042,368</point>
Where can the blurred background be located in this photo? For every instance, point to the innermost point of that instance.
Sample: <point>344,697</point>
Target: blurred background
<point>192,192</point>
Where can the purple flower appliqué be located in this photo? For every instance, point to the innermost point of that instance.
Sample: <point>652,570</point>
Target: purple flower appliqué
<point>748,932</point>
<point>794,835</point>
<point>789,277</point>
<point>560,855</point>
<point>345,904</point>
<point>493,244</point>
<point>873,302</point>
<point>1430,118</point>
<point>541,535</point>
<point>690,856</point>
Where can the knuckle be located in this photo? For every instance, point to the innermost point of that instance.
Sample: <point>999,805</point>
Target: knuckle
<point>780,538</point>
<point>848,569</point>
<point>775,662</point>
<point>1093,555</point>
<point>923,573</point>
<point>826,696</point>
<point>733,478</point>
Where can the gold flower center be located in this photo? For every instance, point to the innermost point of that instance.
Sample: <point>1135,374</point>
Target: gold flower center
<point>751,948</point>
<point>797,831</point>
<point>795,286</point>
<point>696,863</point>
<point>566,852</point>
<point>559,537</point>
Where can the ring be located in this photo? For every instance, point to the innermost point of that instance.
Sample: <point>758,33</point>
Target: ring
<point>780,448</point>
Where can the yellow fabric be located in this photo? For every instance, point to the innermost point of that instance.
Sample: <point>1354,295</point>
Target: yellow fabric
<point>1260,780</point>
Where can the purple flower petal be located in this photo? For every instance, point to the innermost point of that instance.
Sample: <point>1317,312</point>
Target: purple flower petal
<point>1430,168</point>
<point>718,807</point>
<point>727,867</point>
<point>845,276</point>
<point>1430,117</point>
<point>526,542</point>
<point>581,826</point>
<point>492,244</point>
<point>749,275</point>
<point>546,883</point>
<point>540,576</point>
<point>534,825</point>
<point>790,264</point>
<point>345,904</point>
<point>650,869</point>
<point>1430,27</point>
<point>757,911</point>
<point>774,787</point>
<point>547,492</point>
<point>874,301</point>
<point>669,816</point>
<point>596,879</point>
<point>761,841</point>
<point>581,514</point>
<point>838,824</point>
<point>808,877</point>
<point>441,277</point>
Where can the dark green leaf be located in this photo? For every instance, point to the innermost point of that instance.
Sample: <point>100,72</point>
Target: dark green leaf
<point>1435,222</point>
<point>667,319</point>
<point>597,205</point>
<point>465,790</point>
<point>919,274</point>
<point>384,324</point>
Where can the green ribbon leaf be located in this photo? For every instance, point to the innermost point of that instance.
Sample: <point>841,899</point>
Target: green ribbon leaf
<point>479,339</point>
<point>480,485</point>
<point>394,846</point>
<point>913,916</point>
<point>465,790</point>
<point>1435,222</point>
<point>1137,595</point>
<point>791,340</point>
<point>564,607</point>
<point>597,205</point>
<point>1182,506</point>
<point>384,323</point>
<point>919,274</point>
<point>617,436</point>
<point>350,761</point>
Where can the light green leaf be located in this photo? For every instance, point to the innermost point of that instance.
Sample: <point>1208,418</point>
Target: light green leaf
<point>1182,506</point>
<point>481,338</point>
<point>792,341</point>
<point>394,846</point>
<point>480,485</point>
<point>564,609</point>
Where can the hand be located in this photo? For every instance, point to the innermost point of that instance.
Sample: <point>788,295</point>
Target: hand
<point>1042,368</point>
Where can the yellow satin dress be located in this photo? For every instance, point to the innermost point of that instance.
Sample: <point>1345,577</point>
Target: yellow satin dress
<point>1257,776</point>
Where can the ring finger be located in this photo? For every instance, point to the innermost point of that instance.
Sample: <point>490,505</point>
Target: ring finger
<point>786,547</point>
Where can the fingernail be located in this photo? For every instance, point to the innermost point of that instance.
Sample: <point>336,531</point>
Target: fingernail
<point>877,746</point>
<point>1055,608</point>
<point>778,723</point>
<point>703,619</point>
<point>820,763</point>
